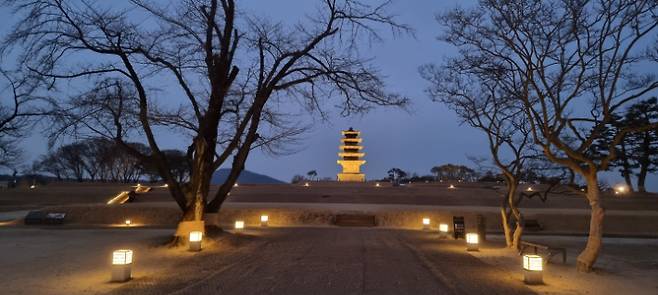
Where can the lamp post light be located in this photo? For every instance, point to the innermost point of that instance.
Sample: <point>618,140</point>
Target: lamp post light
<point>195,240</point>
<point>533,269</point>
<point>472,242</point>
<point>426,223</point>
<point>443,230</point>
<point>239,225</point>
<point>122,261</point>
<point>264,219</point>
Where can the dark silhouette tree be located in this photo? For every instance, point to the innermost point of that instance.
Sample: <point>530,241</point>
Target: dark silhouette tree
<point>312,174</point>
<point>571,66</point>
<point>226,65</point>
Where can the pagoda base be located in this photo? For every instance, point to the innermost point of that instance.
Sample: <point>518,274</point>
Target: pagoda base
<point>352,177</point>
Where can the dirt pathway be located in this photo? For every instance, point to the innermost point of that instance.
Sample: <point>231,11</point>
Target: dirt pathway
<point>339,261</point>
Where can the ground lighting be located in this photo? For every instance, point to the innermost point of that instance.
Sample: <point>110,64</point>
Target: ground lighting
<point>239,224</point>
<point>195,240</point>
<point>443,230</point>
<point>306,184</point>
<point>122,261</point>
<point>426,223</point>
<point>472,242</point>
<point>377,184</point>
<point>128,222</point>
<point>263,220</point>
<point>533,269</point>
<point>452,187</point>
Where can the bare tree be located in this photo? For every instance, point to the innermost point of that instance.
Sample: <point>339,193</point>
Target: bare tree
<point>481,102</point>
<point>571,64</point>
<point>232,72</point>
<point>16,112</point>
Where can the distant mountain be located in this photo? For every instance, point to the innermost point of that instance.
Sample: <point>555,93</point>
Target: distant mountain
<point>245,177</point>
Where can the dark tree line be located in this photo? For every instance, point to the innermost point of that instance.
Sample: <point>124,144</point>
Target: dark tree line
<point>103,160</point>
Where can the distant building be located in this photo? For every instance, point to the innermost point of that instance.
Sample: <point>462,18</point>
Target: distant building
<point>351,157</point>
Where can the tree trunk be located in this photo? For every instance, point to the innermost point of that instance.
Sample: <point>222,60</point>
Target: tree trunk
<point>626,170</point>
<point>520,224</point>
<point>588,256</point>
<point>504,217</point>
<point>641,178</point>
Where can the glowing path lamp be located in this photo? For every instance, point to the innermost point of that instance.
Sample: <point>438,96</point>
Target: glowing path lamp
<point>426,223</point>
<point>195,240</point>
<point>122,261</point>
<point>472,242</point>
<point>128,222</point>
<point>377,184</point>
<point>306,184</point>
<point>451,187</point>
<point>239,225</point>
<point>533,269</point>
<point>443,230</point>
<point>264,219</point>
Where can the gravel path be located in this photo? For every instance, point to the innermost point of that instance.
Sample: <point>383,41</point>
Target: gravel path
<point>336,261</point>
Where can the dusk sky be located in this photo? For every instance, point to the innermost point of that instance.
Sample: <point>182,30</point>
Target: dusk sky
<point>426,135</point>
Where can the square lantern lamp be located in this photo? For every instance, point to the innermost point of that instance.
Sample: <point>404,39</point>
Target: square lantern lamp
<point>128,222</point>
<point>264,219</point>
<point>122,261</point>
<point>239,225</point>
<point>472,242</point>
<point>426,223</point>
<point>443,230</point>
<point>195,240</point>
<point>533,269</point>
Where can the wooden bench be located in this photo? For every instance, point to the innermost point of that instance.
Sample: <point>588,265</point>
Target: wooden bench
<point>548,250</point>
<point>533,225</point>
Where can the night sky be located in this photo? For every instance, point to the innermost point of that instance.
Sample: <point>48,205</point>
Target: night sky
<point>426,135</point>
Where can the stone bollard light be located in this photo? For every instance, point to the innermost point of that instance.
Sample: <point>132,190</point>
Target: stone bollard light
<point>122,261</point>
<point>195,240</point>
<point>472,242</point>
<point>533,269</point>
<point>264,219</point>
<point>443,230</point>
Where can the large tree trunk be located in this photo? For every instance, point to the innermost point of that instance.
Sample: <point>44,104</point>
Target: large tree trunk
<point>504,217</point>
<point>588,256</point>
<point>641,178</point>
<point>518,217</point>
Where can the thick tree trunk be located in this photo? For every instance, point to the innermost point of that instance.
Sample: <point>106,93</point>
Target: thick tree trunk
<point>641,178</point>
<point>588,256</point>
<point>504,217</point>
<point>520,224</point>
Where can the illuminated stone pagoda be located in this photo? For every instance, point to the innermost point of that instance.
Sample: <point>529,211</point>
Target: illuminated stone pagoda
<point>351,157</point>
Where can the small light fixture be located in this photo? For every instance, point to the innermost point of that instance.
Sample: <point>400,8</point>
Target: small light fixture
<point>452,186</point>
<point>306,184</point>
<point>621,189</point>
<point>128,222</point>
<point>472,242</point>
<point>33,186</point>
<point>443,230</point>
<point>377,184</point>
<point>235,185</point>
<point>533,268</point>
<point>122,261</point>
<point>426,223</point>
<point>165,185</point>
<point>529,189</point>
<point>239,225</point>
<point>264,219</point>
<point>139,184</point>
<point>195,240</point>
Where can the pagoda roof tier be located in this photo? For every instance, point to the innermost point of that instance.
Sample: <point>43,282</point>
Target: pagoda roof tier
<point>360,162</point>
<point>351,140</point>
<point>346,132</point>
<point>351,154</point>
<point>350,147</point>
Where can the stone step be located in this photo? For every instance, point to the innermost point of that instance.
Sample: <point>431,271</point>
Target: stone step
<point>355,220</point>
